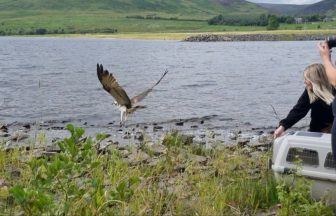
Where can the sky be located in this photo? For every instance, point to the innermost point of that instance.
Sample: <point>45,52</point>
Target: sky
<point>286,1</point>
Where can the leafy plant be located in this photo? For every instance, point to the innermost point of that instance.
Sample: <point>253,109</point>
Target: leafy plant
<point>295,196</point>
<point>70,182</point>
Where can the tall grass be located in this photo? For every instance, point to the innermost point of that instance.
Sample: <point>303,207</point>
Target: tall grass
<point>186,180</point>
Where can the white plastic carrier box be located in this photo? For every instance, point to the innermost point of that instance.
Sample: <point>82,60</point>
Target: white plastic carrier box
<point>317,163</point>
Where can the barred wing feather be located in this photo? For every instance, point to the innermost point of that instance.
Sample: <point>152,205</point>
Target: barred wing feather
<point>111,85</point>
<point>142,95</point>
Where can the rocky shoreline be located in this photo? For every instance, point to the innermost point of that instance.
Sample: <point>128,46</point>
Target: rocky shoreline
<point>254,37</point>
<point>199,131</point>
<point>130,143</point>
<point>174,161</point>
<point>177,161</point>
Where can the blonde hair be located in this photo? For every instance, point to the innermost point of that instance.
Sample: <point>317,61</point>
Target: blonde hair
<point>322,89</point>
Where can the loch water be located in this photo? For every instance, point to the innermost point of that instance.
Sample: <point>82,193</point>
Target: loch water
<point>228,83</point>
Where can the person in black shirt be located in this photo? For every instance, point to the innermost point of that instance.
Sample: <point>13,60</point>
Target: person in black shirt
<point>325,53</point>
<point>317,97</point>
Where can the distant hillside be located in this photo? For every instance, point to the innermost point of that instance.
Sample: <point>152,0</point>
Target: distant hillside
<point>327,7</point>
<point>111,16</point>
<point>283,9</point>
<point>199,8</point>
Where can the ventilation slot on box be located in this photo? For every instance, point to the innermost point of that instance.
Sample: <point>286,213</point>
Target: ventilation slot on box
<point>330,162</point>
<point>306,156</point>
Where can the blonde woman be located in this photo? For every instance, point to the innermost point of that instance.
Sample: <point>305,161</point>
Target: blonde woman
<point>317,97</point>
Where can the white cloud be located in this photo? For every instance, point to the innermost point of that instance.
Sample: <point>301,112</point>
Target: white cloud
<point>286,1</point>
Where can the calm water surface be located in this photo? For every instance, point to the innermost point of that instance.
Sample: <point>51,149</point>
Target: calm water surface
<point>43,79</point>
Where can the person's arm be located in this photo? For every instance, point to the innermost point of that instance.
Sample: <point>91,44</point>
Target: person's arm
<point>326,58</point>
<point>299,111</point>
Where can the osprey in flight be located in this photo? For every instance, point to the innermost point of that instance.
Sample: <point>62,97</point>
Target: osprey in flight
<point>125,104</point>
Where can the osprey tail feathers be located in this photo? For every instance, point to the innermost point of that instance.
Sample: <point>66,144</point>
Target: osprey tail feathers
<point>133,109</point>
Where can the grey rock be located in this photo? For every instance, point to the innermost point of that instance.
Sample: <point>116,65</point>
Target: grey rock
<point>211,134</point>
<point>149,143</point>
<point>4,134</point>
<point>180,168</point>
<point>158,149</point>
<point>179,123</point>
<point>18,136</point>
<point>127,135</point>
<point>53,148</point>
<point>233,136</point>
<point>3,127</point>
<point>124,153</point>
<point>199,141</point>
<point>266,139</point>
<point>41,154</point>
<point>139,136</point>
<point>137,157</point>
<point>253,171</point>
<point>27,126</point>
<point>233,167</point>
<point>269,212</point>
<point>198,159</point>
<point>57,128</point>
<point>3,183</point>
<point>242,141</point>
<point>252,37</point>
<point>255,155</point>
<point>121,147</point>
<point>157,127</point>
<point>15,173</point>
<point>154,161</point>
<point>202,135</point>
<point>247,150</point>
<point>105,143</point>
<point>263,148</point>
<point>187,138</point>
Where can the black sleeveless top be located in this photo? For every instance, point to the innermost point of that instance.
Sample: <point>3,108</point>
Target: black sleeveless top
<point>322,114</point>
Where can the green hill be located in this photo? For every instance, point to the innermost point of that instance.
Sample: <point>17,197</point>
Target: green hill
<point>87,16</point>
<point>185,8</point>
<point>283,9</point>
<point>327,7</point>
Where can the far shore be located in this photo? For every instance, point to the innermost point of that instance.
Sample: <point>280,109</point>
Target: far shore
<point>277,35</point>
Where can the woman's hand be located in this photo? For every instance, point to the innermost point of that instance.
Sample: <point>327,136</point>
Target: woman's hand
<point>324,50</point>
<point>280,131</point>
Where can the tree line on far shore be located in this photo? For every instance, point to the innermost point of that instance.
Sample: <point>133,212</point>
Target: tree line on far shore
<point>43,31</point>
<point>271,21</point>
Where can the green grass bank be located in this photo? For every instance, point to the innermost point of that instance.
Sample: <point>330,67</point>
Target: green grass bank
<point>175,178</point>
<point>40,22</point>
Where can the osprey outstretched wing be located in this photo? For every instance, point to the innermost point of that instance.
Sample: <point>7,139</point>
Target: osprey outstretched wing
<point>111,85</point>
<point>142,95</point>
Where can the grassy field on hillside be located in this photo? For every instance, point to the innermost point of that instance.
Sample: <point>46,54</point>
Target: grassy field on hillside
<point>79,22</point>
<point>75,22</point>
<point>181,8</point>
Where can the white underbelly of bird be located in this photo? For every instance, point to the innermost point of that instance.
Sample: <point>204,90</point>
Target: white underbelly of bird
<point>124,112</point>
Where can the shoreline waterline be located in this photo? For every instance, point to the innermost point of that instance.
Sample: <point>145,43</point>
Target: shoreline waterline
<point>283,35</point>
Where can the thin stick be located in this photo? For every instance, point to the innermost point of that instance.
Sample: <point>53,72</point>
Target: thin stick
<point>275,112</point>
